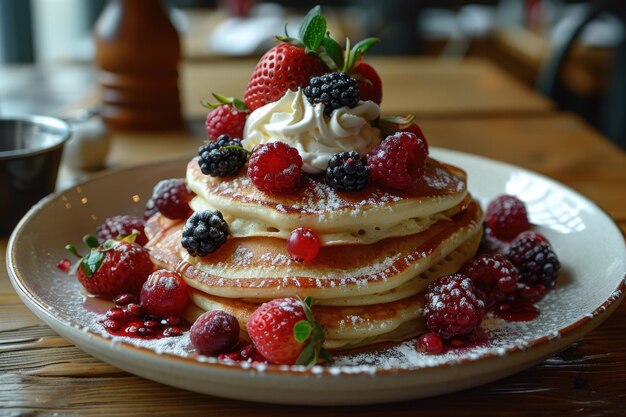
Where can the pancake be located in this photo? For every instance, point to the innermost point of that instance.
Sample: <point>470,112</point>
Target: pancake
<point>344,327</point>
<point>261,268</point>
<point>338,218</point>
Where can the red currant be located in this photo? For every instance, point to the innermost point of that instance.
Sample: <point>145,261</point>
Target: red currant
<point>303,244</point>
<point>214,332</point>
<point>64,265</point>
<point>430,343</point>
<point>164,293</point>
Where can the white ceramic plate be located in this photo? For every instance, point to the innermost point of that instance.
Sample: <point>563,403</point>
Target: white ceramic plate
<point>588,242</point>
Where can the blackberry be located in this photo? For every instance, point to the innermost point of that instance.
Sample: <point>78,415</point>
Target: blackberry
<point>536,262</point>
<point>347,172</point>
<point>204,232</point>
<point>218,161</point>
<point>335,90</point>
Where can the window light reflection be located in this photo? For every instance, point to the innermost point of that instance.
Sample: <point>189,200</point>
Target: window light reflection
<point>547,205</point>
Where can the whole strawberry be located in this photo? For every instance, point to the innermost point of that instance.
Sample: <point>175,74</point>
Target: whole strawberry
<point>115,267</point>
<point>284,332</point>
<point>290,64</point>
<point>370,84</point>
<point>284,67</point>
<point>228,117</point>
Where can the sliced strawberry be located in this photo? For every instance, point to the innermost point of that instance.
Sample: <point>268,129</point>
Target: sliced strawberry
<point>370,84</point>
<point>284,332</point>
<point>113,268</point>
<point>284,67</point>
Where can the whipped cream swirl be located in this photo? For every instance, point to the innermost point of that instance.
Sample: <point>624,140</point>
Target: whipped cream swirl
<point>295,121</point>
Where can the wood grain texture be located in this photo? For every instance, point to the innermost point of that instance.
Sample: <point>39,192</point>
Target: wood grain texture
<point>426,87</point>
<point>43,374</point>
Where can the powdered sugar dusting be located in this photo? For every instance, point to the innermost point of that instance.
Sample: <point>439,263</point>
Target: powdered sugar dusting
<point>501,336</point>
<point>314,197</point>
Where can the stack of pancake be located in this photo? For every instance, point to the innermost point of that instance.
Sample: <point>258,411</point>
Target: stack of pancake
<point>380,249</point>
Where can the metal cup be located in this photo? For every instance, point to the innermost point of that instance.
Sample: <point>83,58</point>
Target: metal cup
<point>30,154</point>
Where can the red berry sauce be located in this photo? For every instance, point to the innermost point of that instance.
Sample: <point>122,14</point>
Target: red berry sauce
<point>518,310</point>
<point>128,319</point>
<point>243,353</point>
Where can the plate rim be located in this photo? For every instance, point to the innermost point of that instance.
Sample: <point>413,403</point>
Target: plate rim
<point>589,321</point>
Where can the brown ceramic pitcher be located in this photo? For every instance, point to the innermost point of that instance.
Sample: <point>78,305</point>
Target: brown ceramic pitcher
<point>137,52</point>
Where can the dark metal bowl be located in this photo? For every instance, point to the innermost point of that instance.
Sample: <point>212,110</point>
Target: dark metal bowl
<point>30,154</point>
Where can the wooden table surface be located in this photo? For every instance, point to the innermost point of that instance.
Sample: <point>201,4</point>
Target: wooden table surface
<point>425,87</point>
<point>43,374</point>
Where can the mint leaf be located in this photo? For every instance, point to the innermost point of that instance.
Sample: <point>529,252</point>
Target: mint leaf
<point>334,50</point>
<point>361,47</point>
<point>314,33</point>
<point>302,331</point>
<point>307,20</point>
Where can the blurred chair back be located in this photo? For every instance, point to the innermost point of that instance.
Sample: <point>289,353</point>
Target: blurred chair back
<point>612,119</point>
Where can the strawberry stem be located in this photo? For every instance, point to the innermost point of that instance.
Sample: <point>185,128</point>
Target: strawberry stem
<point>72,249</point>
<point>221,100</point>
<point>311,331</point>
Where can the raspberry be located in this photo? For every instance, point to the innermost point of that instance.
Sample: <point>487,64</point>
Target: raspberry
<point>398,162</point>
<point>172,198</point>
<point>536,262</point>
<point>204,232</point>
<point>417,131</point>
<point>347,172</point>
<point>334,90</point>
<point>491,244</point>
<point>494,276</point>
<point>120,226</point>
<point>225,120</point>
<point>452,307</point>
<point>219,162</point>
<point>275,167</point>
<point>506,216</point>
